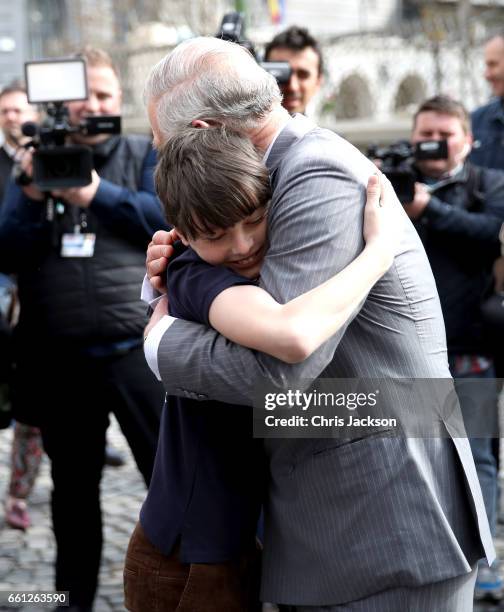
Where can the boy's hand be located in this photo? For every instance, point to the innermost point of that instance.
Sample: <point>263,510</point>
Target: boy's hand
<point>383,218</point>
<point>159,251</point>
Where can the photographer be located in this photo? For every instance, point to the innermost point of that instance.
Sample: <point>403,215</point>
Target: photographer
<point>79,256</point>
<point>297,47</point>
<point>458,210</point>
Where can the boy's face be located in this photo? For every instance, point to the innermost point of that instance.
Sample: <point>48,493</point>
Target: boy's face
<point>241,247</point>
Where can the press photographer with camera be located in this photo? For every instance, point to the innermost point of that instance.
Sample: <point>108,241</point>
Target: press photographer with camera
<point>458,210</point>
<point>293,57</point>
<point>297,46</point>
<point>79,254</point>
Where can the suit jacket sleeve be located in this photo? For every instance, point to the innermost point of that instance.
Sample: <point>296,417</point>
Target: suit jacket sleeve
<point>315,230</point>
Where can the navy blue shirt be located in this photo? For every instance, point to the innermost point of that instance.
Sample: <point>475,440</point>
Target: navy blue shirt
<point>208,480</point>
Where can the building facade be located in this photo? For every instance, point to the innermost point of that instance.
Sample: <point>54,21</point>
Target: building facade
<point>382,56</point>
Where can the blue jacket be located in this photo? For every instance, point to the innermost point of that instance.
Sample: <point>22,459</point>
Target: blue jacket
<point>488,130</point>
<point>460,229</point>
<point>89,300</point>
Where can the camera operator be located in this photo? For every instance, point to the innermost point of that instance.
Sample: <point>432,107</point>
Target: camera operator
<point>297,47</point>
<point>458,210</point>
<point>80,332</point>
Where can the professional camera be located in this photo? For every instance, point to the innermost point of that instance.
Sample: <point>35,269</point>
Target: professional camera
<point>56,164</point>
<point>398,160</point>
<point>232,28</point>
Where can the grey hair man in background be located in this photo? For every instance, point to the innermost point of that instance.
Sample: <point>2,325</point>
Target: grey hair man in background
<point>488,120</point>
<point>377,523</point>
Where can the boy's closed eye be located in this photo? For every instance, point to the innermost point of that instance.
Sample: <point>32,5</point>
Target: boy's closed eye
<point>214,237</point>
<point>256,220</point>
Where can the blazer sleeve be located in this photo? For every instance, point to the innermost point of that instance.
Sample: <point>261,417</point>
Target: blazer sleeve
<point>315,230</point>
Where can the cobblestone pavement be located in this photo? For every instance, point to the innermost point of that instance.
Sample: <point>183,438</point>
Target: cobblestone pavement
<point>26,559</point>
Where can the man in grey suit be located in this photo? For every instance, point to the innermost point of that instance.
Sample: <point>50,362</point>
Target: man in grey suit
<point>375,523</point>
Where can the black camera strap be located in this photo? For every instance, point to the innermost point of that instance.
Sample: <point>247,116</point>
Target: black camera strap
<point>79,219</point>
<point>475,194</point>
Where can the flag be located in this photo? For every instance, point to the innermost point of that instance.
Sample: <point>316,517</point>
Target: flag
<point>277,10</point>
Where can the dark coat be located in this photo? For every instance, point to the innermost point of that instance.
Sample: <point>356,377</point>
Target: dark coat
<point>460,229</point>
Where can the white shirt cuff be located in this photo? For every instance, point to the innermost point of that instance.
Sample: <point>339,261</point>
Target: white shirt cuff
<point>151,344</point>
<point>148,294</point>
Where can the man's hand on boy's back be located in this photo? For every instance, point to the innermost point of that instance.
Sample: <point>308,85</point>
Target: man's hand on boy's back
<point>159,251</point>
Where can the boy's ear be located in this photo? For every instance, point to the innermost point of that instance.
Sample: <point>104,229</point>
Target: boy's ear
<point>183,239</point>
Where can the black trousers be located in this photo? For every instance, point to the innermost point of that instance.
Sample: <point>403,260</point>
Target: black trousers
<point>75,395</point>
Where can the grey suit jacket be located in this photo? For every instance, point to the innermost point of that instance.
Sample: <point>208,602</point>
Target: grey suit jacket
<point>344,519</point>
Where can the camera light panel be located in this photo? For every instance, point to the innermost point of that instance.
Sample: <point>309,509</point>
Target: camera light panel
<point>61,80</point>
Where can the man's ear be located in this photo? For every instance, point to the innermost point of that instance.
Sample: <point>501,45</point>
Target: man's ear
<point>467,147</point>
<point>201,123</point>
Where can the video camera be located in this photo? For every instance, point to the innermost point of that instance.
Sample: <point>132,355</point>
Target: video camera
<point>56,164</point>
<point>232,28</point>
<point>398,160</point>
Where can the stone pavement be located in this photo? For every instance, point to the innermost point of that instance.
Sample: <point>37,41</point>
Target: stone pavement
<point>26,559</point>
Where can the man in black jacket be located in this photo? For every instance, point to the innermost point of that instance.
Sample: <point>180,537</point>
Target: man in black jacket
<point>79,256</point>
<point>459,210</point>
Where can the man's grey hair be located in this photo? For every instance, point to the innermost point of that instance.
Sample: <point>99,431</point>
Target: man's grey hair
<point>212,80</point>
